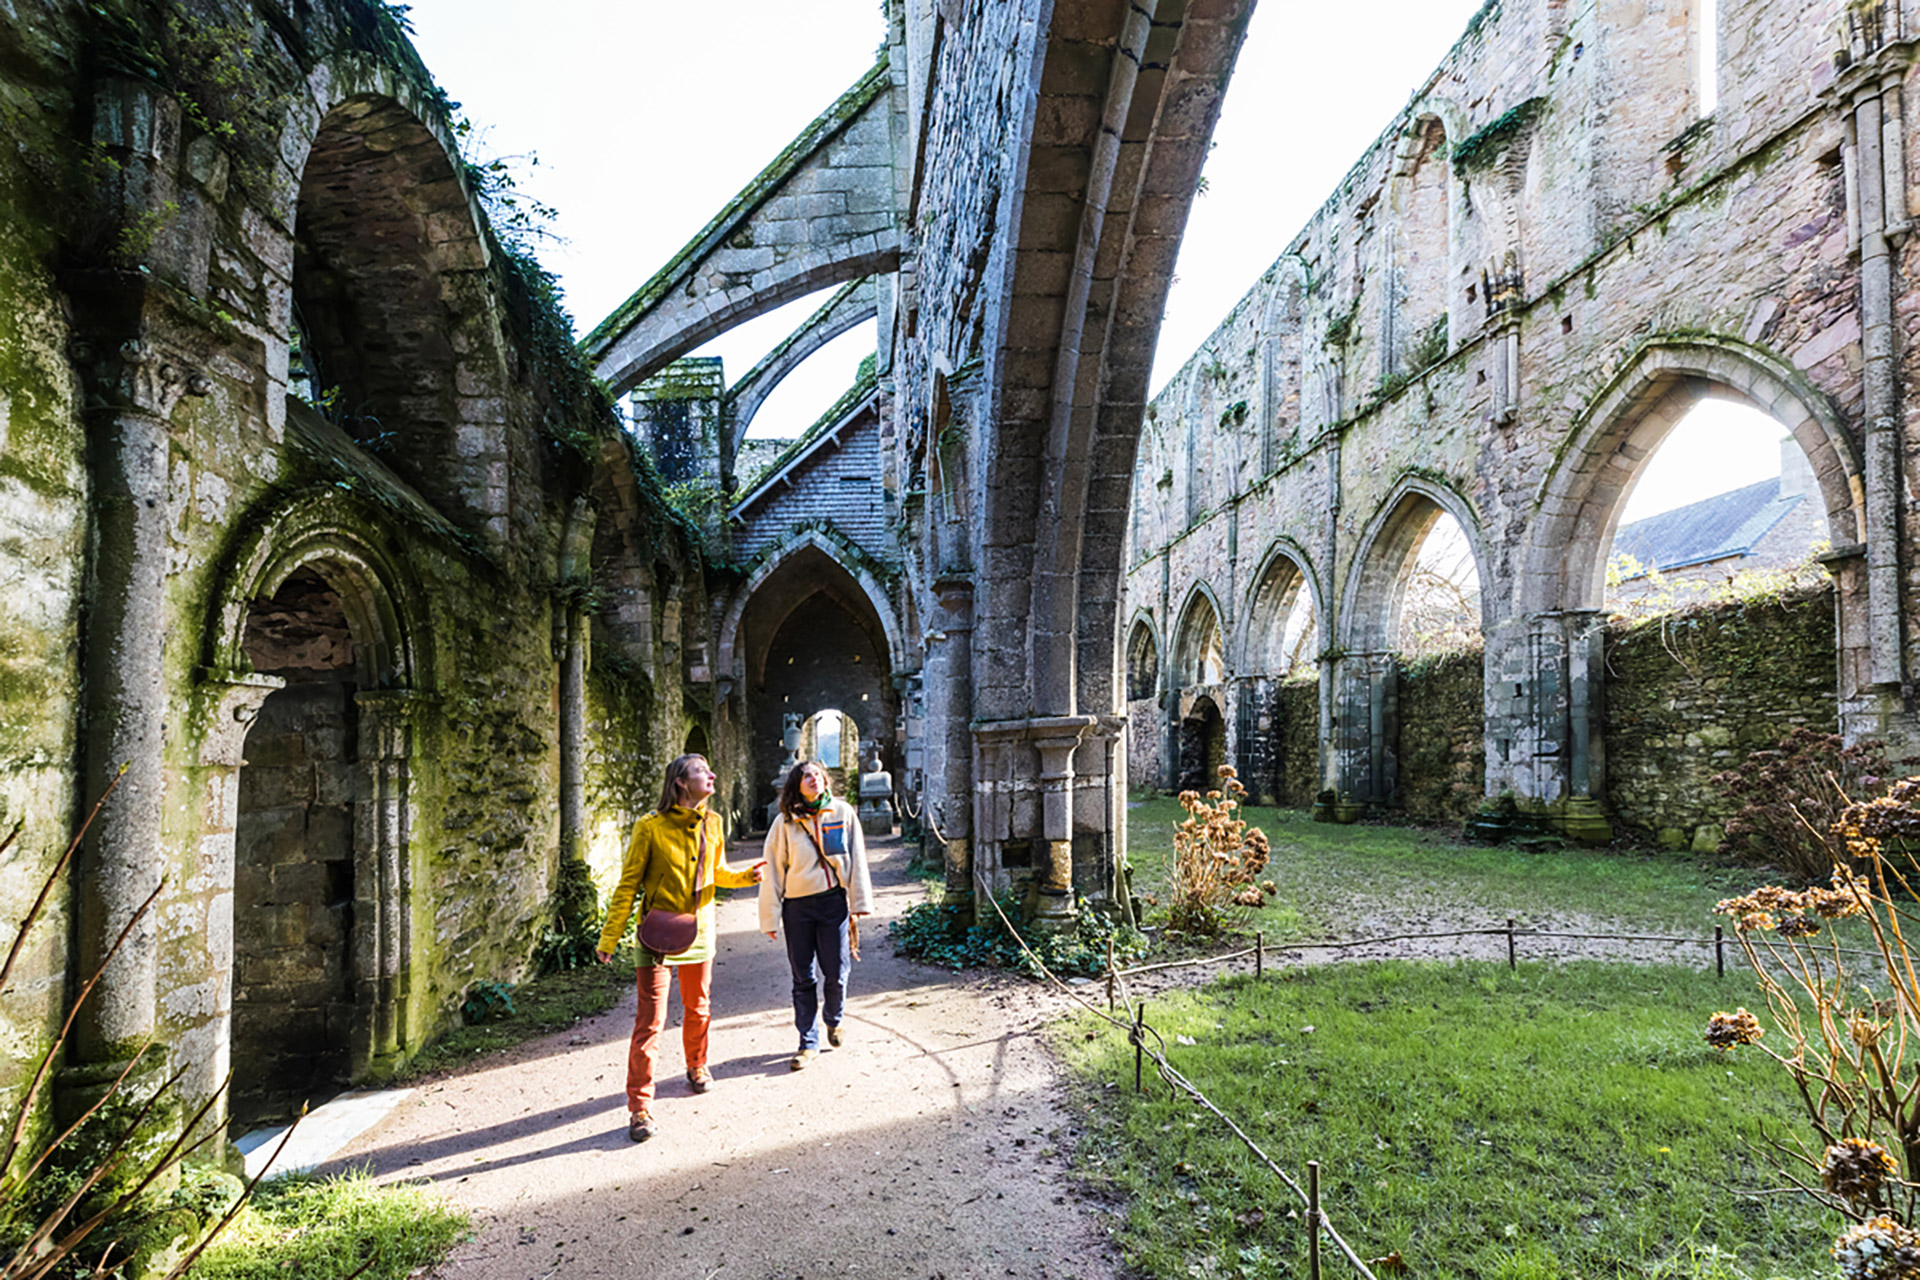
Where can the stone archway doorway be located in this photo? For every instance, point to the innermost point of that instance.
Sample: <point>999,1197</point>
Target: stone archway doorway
<point>321,936</point>
<point>294,920</point>
<point>1203,746</point>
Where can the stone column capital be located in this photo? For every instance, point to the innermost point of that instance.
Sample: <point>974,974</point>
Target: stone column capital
<point>139,348</point>
<point>228,702</point>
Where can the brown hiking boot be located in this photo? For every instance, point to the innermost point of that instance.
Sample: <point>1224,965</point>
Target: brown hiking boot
<point>834,1037</point>
<point>700,1079</point>
<point>801,1059</point>
<point>640,1125</point>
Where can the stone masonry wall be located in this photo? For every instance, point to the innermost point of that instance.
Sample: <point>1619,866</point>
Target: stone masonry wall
<point>1442,751</point>
<point>834,486</point>
<point>1690,694</point>
<point>1628,252</point>
<point>179,275</point>
<point>43,532</point>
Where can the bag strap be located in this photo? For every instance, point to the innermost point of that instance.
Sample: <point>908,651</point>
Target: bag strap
<point>834,880</point>
<point>700,861</point>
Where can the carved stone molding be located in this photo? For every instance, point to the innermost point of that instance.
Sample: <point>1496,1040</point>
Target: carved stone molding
<point>228,703</point>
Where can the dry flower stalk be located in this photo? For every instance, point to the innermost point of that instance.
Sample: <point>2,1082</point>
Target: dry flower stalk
<point>1844,1037</point>
<point>1217,859</point>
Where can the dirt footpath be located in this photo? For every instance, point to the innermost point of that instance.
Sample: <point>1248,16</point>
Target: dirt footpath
<point>931,1145</point>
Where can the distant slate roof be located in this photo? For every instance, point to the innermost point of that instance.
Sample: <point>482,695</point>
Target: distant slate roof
<point>1727,524</point>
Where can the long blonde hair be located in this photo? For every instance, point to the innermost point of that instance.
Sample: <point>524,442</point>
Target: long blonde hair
<point>670,788</point>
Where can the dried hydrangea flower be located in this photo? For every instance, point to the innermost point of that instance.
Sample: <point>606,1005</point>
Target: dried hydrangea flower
<point>1857,1168</point>
<point>1725,1030</point>
<point>1879,1249</point>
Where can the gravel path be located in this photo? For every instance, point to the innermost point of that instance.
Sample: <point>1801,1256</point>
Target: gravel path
<point>932,1145</point>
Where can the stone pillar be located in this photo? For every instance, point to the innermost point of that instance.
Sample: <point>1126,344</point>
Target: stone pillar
<point>575,572</point>
<point>383,883</point>
<point>1867,93</point>
<point>573,737</point>
<point>1544,744</point>
<point>1055,740</point>
<point>135,385</point>
<point>1364,727</point>
<point>1024,817</point>
<point>949,802</point>
<point>227,703</point>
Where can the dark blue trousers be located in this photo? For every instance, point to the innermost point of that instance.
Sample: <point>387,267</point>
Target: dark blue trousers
<point>816,928</point>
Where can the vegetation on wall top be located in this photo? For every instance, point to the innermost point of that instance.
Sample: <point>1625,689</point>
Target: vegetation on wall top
<point>1479,149</point>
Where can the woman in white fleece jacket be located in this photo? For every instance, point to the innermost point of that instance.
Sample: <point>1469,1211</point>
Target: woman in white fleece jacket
<point>815,883</point>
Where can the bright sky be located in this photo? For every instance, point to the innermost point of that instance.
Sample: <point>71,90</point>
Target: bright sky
<point>647,117</point>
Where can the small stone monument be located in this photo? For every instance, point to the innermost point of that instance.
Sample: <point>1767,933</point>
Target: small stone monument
<point>876,797</point>
<point>790,739</point>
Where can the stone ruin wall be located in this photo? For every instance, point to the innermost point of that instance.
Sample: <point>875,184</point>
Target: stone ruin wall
<point>495,440</point>
<point>1307,436</point>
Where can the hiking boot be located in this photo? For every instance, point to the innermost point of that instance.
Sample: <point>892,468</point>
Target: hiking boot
<point>802,1058</point>
<point>700,1079</point>
<point>834,1037</point>
<point>640,1126</point>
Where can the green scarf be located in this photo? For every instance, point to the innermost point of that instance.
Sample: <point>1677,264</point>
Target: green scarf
<point>820,805</point>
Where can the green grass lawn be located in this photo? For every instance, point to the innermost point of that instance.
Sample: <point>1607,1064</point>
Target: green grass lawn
<point>1328,874</point>
<point>1549,1123</point>
<point>327,1228</point>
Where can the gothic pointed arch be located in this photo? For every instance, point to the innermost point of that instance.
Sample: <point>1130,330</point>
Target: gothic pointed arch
<point>1579,502</point>
<point>782,558</point>
<point>812,628</point>
<point>349,544</point>
<point>392,320</point>
<point>1263,644</point>
<point>1385,557</point>
<point>1144,665</point>
<point>1199,644</point>
<point>319,653</point>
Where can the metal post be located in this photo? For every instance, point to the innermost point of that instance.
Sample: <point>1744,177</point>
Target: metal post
<point>1109,975</point>
<point>1313,1219</point>
<point>1512,960</point>
<point>1259,953</point>
<point>1720,950</point>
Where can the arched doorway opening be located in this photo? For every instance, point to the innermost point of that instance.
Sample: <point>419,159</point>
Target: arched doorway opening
<point>1279,733</point>
<point>1557,749</point>
<point>831,738</point>
<point>294,1009</point>
<point>1198,728</point>
<point>1438,610</point>
<point>808,636</point>
<point>1416,595</point>
<point>1203,746</point>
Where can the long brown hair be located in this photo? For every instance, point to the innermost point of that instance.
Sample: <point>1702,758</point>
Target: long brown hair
<point>792,802</point>
<point>670,789</point>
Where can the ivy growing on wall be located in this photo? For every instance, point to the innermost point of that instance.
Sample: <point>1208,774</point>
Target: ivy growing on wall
<point>1479,149</point>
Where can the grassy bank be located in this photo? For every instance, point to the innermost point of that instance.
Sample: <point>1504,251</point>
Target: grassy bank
<point>328,1228</point>
<point>1328,875</point>
<point>1556,1122</point>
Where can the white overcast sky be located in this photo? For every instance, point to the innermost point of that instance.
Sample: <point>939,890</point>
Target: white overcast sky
<point>647,116</point>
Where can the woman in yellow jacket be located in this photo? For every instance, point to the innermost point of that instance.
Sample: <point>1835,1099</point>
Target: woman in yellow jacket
<point>673,862</point>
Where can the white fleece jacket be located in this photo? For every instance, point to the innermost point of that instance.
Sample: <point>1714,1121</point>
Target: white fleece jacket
<point>793,863</point>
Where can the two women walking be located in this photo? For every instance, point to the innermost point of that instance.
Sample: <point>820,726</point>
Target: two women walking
<point>818,888</point>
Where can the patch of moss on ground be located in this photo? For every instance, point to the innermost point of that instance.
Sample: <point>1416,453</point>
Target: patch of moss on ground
<point>548,1004</point>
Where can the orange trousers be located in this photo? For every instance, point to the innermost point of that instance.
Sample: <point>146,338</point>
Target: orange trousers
<point>696,982</point>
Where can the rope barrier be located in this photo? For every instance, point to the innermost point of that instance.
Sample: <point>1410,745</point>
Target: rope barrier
<point>1137,1031</point>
